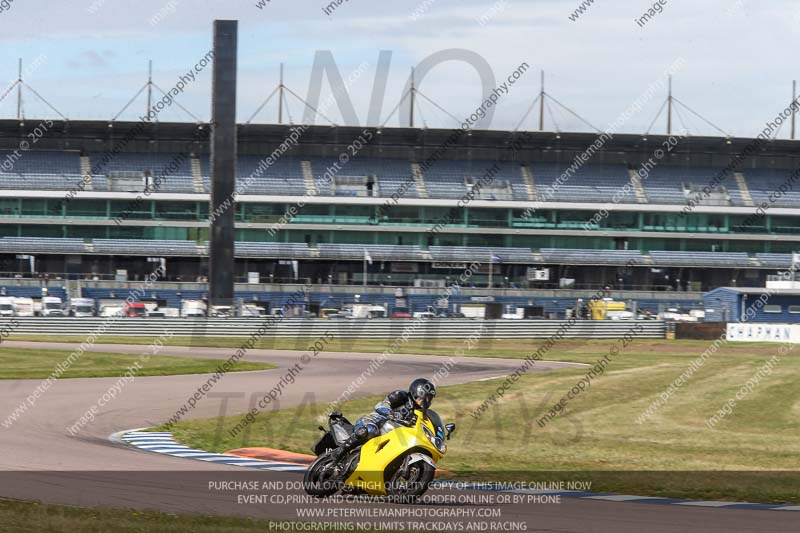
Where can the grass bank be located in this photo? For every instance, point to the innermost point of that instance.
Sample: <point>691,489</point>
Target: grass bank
<point>506,348</point>
<point>19,363</point>
<point>601,437</point>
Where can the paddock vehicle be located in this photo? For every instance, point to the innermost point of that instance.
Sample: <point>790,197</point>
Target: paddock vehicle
<point>81,307</point>
<point>220,311</point>
<point>24,306</point>
<point>193,308</point>
<point>608,309</point>
<point>251,310</point>
<point>367,311</point>
<point>52,306</point>
<point>107,311</point>
<point>135,309</point>
<point>400,462</point>
<point>7,306</point>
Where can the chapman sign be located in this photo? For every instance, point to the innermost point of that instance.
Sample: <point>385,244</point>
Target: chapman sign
<point>764,332</point>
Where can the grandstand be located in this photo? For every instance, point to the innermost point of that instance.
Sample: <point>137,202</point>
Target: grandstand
<point>589,225</point>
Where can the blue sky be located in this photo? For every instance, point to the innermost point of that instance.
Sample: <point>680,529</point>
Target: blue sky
<point>738,55</point>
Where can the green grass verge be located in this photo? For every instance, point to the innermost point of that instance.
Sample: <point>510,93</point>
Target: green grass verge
<point>511,348</point>
<point>598,438</point>
<point>25,363</point>
<point>24,517</point>
<point>571,349</point>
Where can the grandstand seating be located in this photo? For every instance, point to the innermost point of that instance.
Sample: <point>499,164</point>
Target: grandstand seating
<point>138,246</point>
<point>42,245</point>
<point>277,250</point>
<point>481,253</point>
<point>283,177</point>
<point>568,256</point>
<point>764,182</point>
<point>40,170</point>
<point>700,259</point>
<point>40,182</point>
<point>100,183</point>
<point>24,291</point>
<point>378,252</point>
<point>355,252</point>
<point>665,184</point>
<point>393,175</point>
<point>45,162</point>
<point>176,184</point>
<point>590,183</point>
<point>775,260</point>
<point>447,179</point>
<point>173,164</point>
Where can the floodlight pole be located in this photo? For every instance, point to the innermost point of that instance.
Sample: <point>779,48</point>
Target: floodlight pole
<point>280,98</point>
<point>411,111</point>
<point>794,112</point>
<point>669,107</point>
<point>19,90</point>
<point>149,87</point>
<point>541,104</point>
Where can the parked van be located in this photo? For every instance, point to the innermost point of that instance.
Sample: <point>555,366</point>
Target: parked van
<point>193,308</point>
<point>52,306</point>
<point>24,306</point>
<point>7,306</point>
<point>81,307</point>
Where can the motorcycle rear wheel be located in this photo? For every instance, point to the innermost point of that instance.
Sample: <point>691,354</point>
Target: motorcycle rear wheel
<point>319,480</point>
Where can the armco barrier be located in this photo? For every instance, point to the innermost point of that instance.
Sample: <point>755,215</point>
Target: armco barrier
<point>343,328</point>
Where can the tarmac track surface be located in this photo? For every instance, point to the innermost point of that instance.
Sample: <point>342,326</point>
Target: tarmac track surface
<point>39,460</point>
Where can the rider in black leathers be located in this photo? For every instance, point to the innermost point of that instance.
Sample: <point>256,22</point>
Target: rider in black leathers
<point>398,405</point>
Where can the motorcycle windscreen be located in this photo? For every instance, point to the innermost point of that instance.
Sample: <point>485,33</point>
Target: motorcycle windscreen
<point>436,420</point>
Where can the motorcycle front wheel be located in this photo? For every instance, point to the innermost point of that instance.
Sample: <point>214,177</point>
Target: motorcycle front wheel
<point>413,485</point>
<point>319,480</point>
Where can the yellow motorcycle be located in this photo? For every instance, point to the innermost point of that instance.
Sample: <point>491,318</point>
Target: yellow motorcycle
<point>400,462</point>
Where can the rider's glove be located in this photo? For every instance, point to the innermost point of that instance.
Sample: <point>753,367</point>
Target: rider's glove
<point>400,415</point>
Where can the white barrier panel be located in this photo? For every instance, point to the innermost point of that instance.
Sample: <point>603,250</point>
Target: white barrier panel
<point>760,332</point>
<point>456,328</point>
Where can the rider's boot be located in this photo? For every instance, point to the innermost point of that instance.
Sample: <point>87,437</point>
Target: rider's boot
<point>352,441</point>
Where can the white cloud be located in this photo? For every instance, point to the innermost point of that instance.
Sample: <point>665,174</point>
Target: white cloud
<point>737,71</point>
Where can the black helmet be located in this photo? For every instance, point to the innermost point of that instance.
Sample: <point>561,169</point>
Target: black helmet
<point>422,392</point>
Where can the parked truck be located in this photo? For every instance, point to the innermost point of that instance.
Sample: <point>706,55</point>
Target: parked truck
<point>24,306</point>
<point>368,311</point>
<point>193,308</point>
<point>52,306</point>
<point>252,310</point>
<point>220,311</point>
<point>81,307</point>
<point>135,309</point>
<point>608,309</point>
<point>7,307</point>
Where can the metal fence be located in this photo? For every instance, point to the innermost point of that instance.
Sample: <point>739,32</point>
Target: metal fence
<point>343,328</point>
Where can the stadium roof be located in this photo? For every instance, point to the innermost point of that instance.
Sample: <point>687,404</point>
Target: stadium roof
<point>757,290</point>
<point>88,135</point>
